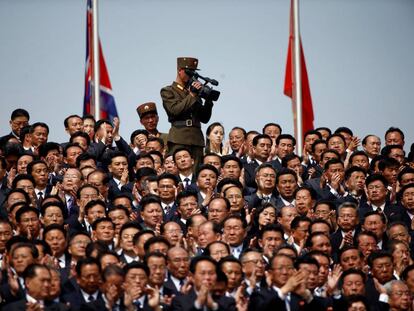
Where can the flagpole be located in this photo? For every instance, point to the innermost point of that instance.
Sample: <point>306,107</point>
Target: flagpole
<point>95,60</point>
<point>298,77</point>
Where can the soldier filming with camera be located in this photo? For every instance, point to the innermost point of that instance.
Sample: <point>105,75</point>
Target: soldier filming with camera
<point>188,103</point>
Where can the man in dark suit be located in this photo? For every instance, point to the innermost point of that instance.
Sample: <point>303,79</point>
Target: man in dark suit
<point>184,160</point>
<point>18,119</point>
<point>204,274</point>
<point>187,204</point>
<point>40,172</point>
<point>37,280</point>
<point>262,144</point>
<point>118,167</point>
<point>376,185</point>
<point>136,288</point>
<point>234,233</point>
<point>106,134</point>
<point>347,220</point>
<point>286,185</point>
<point>85,287</point>
<point>266,187</point>
<point>288,290</point>
<point>186,110</point>
<point>406,196</point>
<point>167,190</point>
<point>112,297</point>
<point>285,144</point>
<point>178,264</point>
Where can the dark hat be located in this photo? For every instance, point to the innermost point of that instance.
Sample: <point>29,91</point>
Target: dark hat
<point>146,108</point>
<point>187,63</point>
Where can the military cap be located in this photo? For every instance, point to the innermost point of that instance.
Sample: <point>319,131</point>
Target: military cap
<point>187,63</point>
<point>146,108</point>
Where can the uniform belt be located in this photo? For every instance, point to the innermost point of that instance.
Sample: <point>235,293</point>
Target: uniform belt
<point>186,123</point>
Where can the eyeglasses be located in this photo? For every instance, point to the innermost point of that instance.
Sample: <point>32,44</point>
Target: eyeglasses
<point>265,175</point>
<point>255,261</point>
<point>347,216</point>
<point>402,293</point>
<point>284,268</point>
<point>177,231</point>
<point>20,123</point>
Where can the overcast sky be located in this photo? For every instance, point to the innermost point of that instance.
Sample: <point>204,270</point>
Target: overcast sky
<point>359,55</point>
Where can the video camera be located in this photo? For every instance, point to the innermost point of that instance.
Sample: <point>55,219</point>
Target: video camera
<point>206,91</point>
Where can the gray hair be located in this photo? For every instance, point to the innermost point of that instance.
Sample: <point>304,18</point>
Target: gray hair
<point>388,286</point>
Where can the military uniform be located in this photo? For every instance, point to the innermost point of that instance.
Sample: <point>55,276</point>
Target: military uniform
<point>148,108</point>
<point>185,113</point>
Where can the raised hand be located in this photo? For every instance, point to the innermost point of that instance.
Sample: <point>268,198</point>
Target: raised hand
<point>10,177</point>
<point>293,282</point>
<point>241,300</point>
<point>124,177</point>
<point>153,297</point>
<point>13,281</point>
<point>187,286</point>
<point>115,131</point>
<point>202,295</point>
<point>333,278</point>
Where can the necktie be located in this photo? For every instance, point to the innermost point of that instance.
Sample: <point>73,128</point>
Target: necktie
<point>287,302</point>
<point>40,197</point>
<point>91,298</point>
<point>187,182</point>
<point>181,284</point>
<point>266,199</point>
<point>69,205</point>
<point>137,304</point>
<point>167,209</point>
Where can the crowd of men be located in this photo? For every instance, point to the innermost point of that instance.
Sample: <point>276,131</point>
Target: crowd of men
<point>99,223</point>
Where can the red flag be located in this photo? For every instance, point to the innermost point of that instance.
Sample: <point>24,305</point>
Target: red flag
<point>307,109</point>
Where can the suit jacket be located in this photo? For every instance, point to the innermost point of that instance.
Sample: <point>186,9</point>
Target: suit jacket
<point>170,214</point>
<point>336,237</point>
<point>103,152</point>
<point>193,182</point>
<point>5,293</point>
<point>268,300</point>
<point>186,303</point>
<point>254,201</point>
<point>99,304</point>
<point>71,294</point>
<point>170,286</point>
<point>393,212</point>
<point>249,174</point>
<point>321,193</point>
<point>181,106</point>
<point>20,305</point>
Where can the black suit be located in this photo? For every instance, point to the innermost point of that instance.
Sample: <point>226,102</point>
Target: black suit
<point>336,238</point>
<point>249,174</point>
<point>269,300</point>
<point>98,305</point>
<point>171,287</point>
<point>20,305</point>
<point>72,294</point>
<point>186,303</point>
<point>254,201</point>
<point>321,193</point>
<point>393,212</point>
<point>193,182</point>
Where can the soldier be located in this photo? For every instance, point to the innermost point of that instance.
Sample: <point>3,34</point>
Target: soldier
<point>148,116</point>
<point>186,111</point>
